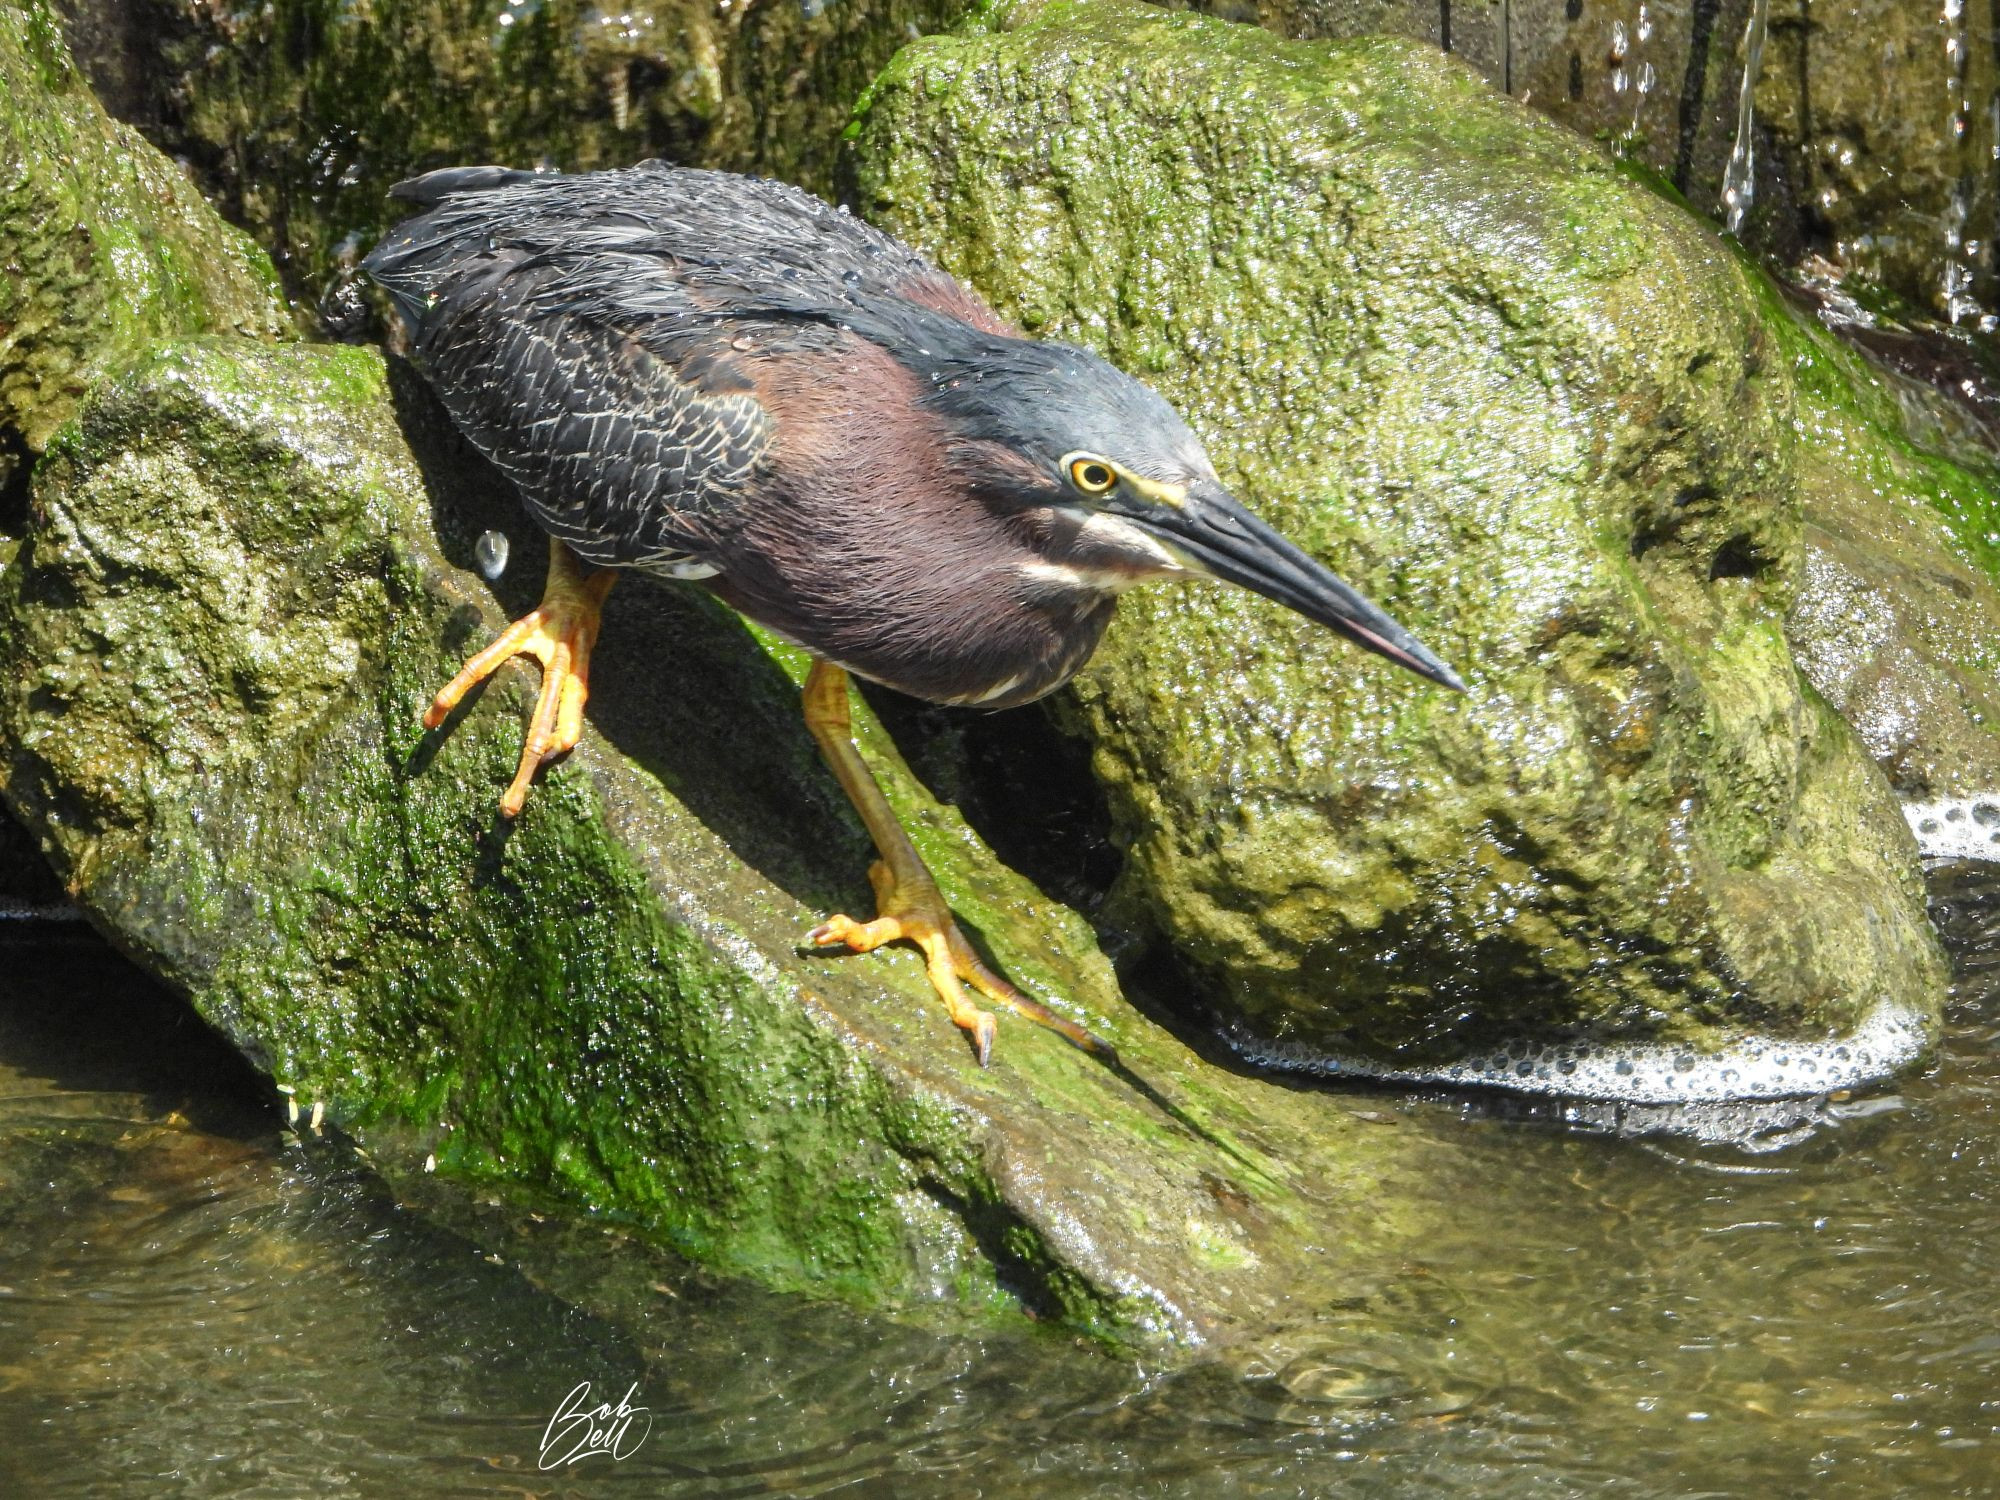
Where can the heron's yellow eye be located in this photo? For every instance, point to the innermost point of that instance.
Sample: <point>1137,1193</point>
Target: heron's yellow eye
<point>1091,475</point>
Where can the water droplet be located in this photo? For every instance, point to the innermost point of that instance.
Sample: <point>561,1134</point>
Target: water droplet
<point>491,554</point>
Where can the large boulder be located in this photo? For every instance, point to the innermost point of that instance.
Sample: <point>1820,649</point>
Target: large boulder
<point>1540,412</point>
<point>104,243</point>
<point>1866,138</point>
<point>237,596</point>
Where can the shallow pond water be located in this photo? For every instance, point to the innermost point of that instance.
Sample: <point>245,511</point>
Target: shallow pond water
<point>196,1300</point>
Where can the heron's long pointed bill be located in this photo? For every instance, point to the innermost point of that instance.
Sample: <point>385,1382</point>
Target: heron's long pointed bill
<point>1218,537</point>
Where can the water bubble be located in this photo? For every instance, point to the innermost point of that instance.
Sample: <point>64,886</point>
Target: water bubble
<point>1641,1072</point>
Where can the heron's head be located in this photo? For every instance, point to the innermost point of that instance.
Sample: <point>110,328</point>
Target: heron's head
<point>1121,491</point>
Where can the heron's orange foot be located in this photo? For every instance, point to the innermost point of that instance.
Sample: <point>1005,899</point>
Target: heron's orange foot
<point>559,634</point>
<point>919,915</point>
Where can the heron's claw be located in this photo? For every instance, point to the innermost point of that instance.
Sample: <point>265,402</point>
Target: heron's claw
<point>558,633</point>
<point>920,916</point>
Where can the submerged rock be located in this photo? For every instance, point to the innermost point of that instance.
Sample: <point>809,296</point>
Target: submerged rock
<point>105,243</point>
<point>1540,413</point>
<point>214,648</point>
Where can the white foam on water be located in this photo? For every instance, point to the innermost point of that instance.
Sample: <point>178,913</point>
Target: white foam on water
<point>1889,1039</point>
<point>1957,827</point>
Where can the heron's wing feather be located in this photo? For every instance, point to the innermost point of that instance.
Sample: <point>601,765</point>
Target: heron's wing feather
<point>593,334</point>
<point>632,450</point>
<point>435,187</point>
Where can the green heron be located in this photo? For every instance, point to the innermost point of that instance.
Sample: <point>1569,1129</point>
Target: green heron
<point>722,380</point>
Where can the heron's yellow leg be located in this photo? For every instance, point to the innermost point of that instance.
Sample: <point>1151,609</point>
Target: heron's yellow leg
<point>908,904</point>
<point>559,634</point>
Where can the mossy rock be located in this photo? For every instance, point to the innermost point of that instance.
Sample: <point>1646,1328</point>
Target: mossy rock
<point>1535,409</point>
<point>1856,124</point>
<point>1854,149</point>
<point>237,597</point>
<point>1896,620</point>
<point>104,243</point>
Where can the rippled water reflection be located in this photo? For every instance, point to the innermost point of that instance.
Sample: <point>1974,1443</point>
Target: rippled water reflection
<point>192,1301</point>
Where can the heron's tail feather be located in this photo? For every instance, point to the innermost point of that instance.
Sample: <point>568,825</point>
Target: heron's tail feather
<point>435,187</point>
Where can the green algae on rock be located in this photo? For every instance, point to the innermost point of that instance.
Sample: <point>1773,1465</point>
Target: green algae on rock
<point>1536,410</point>
<point>214,649</point>
<point>1855,144</point>
<point>298,115</point>
<point>1894,619</point>
<point>105,244</point>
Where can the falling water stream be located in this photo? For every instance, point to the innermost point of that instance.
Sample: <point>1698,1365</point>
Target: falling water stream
<point>196,1301</point>
<point>1739,177</point>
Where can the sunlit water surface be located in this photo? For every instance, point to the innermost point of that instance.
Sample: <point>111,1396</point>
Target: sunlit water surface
<point>195,1301</point>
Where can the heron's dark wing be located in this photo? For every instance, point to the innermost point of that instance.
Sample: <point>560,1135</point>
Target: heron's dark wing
<point>631,440</point>
<point>633,455</point>
<point>596,335</point>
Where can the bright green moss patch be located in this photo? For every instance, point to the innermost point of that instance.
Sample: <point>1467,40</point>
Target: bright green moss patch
<point>1894,618</point>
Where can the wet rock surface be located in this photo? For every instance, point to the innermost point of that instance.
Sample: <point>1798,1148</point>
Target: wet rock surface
<point>217,640</point>
<point>1879,117</point>
<point>105,244</point>
<point>1894,617</point>
<point>1543,415</point>
<point>1869,134</point>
